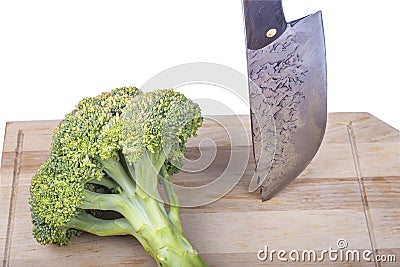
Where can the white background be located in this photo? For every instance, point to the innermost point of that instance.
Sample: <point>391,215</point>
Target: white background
<point>53,53</point>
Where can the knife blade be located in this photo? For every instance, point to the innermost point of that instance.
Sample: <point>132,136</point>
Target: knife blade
<point>286,65</point>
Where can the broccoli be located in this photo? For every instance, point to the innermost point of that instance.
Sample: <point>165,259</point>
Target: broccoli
<point>106,160</point>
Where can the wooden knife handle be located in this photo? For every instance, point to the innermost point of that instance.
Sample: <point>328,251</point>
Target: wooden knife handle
<point>264,22</point>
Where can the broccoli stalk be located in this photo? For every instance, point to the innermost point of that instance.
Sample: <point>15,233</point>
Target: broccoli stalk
<point>110,154</point>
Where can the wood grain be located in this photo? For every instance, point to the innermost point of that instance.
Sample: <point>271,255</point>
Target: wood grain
<point>343,193</point>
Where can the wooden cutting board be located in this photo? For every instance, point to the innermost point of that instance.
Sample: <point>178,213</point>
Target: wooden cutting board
<point>351,191</point>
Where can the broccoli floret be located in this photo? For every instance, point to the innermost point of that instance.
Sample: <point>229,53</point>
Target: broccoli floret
<point>108,155</point>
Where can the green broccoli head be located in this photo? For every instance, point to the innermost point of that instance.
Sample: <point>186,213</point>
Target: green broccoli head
<point>56,191</point>
<point>160,121</point>
<point>46,234</point>
<point>57,187</point>
<point>79,132</point>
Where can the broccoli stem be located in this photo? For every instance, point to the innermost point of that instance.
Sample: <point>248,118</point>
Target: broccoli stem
<point>167,243</point>
<point>88,223</point>
<point>159,232</point>
<point>105,181</point>
<point>120,226</point>
<point>174,208</point>
<point>145,172</point>
<point>116,171</point>
<point>149,223</point>
<point>115,202</point>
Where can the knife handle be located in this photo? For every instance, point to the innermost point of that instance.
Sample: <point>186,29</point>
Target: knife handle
<point>264,22</point>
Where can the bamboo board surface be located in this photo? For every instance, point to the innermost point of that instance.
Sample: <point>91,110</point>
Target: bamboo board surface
<point>350,190</point>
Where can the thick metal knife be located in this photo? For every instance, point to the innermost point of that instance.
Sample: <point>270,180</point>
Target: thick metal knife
<point>287,82</point>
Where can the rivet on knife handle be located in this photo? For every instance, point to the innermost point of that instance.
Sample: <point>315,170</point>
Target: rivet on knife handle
<point>265,22</point>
